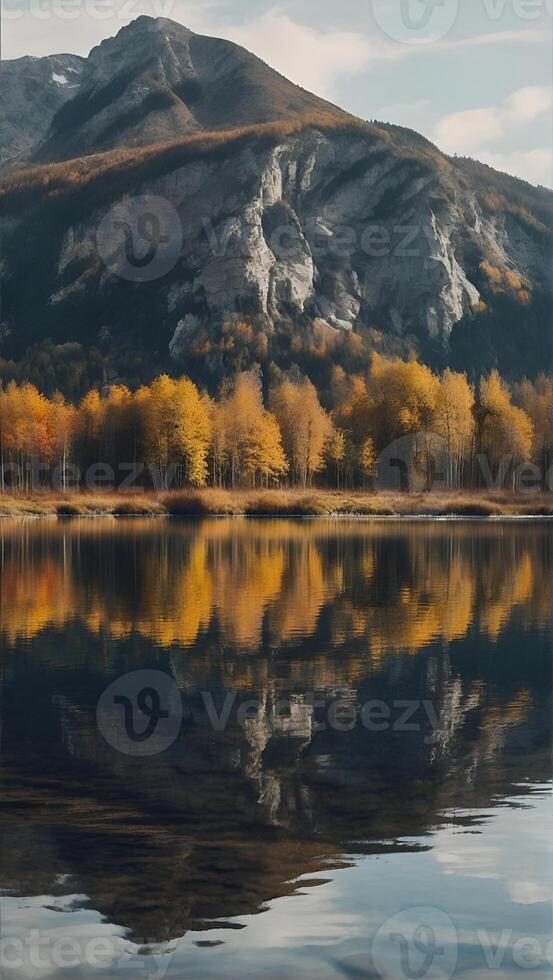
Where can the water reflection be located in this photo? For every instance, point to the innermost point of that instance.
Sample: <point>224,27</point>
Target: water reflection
<point>271,583</point>
<point>454,618</point>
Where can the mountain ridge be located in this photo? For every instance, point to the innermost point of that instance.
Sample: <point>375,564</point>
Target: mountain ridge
<point>168,82</point>
<point>472,288</point>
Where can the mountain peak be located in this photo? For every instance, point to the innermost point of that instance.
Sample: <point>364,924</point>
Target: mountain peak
<point>157,80</point>
<point>441,256</point>
<point>144,25</point>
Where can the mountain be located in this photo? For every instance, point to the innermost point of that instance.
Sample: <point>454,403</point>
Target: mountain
<point>156,80</point>
<point>189,209</point>
<point>34,90</point>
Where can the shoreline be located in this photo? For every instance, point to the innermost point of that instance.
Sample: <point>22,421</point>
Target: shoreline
<point>366,518</point>
<point>330,504</point>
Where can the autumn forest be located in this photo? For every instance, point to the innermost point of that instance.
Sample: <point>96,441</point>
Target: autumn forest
<point>175,435</point>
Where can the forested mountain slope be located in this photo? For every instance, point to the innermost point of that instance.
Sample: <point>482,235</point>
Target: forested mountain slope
<point>291,233</point>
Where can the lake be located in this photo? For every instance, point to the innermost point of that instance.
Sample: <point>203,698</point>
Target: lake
<point>241,748</point>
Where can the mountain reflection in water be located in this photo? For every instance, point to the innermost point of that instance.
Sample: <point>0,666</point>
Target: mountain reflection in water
<point>454,616</point>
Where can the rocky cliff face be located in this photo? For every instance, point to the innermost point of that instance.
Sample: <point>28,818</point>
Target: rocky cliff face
<point>354,228</point>
<point>331,226</point>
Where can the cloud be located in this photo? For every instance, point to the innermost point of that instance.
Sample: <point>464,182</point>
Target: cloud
<point>494,39</point>
<point>318,59</point>
<point>311,58</point>
<point>485,133</point>
<point>528,103</point>
<point>535,166</point>
<point>414,115</point>
<point>461,132</point>
<point>528,892</point>
<point>399,108</point>
<point>479,132</point>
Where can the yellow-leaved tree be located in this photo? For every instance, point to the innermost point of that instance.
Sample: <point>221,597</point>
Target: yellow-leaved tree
<point>454,421</point>
<point>305,426</point>
<point>89,425</point>
<point>336,453</point>
<point>368,459</point>
<point>177,431</point>
<point>63,417</point>
<point>237,418</point>
<point>536,398</point>
<point>265,458</point>
<point>404,395</point>
<point>504,432</point>
<point>192,433</point>
<point>158,410</point>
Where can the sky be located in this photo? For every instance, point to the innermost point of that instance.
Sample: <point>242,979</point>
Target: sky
<point>474,76</point>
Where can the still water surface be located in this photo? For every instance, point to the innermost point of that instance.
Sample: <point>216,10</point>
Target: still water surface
<point>366,732</point>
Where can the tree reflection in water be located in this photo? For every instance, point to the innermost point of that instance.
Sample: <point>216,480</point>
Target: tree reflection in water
<point>456,615</point>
